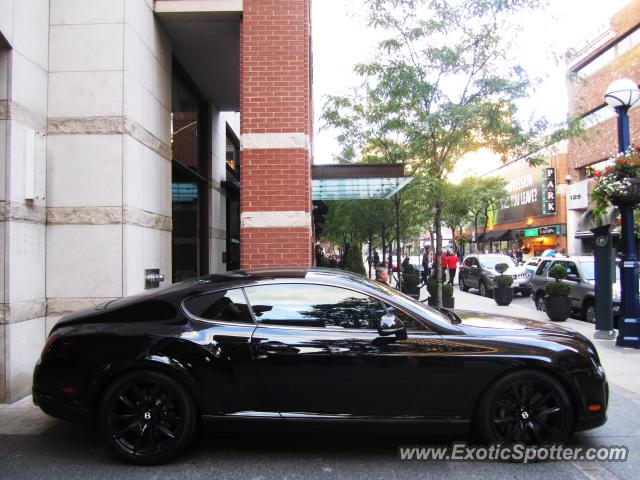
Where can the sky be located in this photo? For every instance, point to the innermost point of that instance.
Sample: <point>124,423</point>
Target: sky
<point>341,39</point>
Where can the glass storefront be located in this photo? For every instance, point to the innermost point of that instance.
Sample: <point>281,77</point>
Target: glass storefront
<point>189,239</point>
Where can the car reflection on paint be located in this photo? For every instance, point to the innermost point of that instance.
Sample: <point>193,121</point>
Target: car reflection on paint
<point>316,344</point>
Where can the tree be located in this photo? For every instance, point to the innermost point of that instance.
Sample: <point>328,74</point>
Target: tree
<point>455,211</point>
<point>442,85</point>
<point>485,194</point>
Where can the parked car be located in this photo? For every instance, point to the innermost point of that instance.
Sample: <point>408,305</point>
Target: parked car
<point>531,265</point>
<point>478,271</point>
<point>581,277</point>
<point>311,344</point>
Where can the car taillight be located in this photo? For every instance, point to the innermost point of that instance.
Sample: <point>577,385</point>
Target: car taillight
<point>50,341</point>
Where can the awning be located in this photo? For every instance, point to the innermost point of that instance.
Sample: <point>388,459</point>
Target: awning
<point>590,219</point>
<point>357,182</point>
<point>495,236</point>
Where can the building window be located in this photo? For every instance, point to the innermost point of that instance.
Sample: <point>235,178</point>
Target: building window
<point>616,50</point>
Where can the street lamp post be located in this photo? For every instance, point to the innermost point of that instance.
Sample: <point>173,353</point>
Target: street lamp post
<point>621,95</point>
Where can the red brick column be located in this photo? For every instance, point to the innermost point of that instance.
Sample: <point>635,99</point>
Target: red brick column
<point>275,127</point>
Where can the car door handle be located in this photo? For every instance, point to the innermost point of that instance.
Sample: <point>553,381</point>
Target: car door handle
<point>273,347</point>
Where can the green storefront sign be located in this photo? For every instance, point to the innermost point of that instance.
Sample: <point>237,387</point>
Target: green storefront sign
<point>531,232</point>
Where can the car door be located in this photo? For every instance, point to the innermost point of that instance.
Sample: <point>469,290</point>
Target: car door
<point>573,279</point>
<point>223,325</point>
<point>319,353</point>
<point>475,272</point>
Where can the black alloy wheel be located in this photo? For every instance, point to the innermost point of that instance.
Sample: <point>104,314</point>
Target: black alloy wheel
<point>147,417</point>
<point>527,407</point>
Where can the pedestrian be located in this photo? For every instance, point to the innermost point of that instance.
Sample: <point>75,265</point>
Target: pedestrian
<point>452,266</point>
<point>519,255</point>
<point>382,276</point>
<point>426,265</point>
<point>376,259</point>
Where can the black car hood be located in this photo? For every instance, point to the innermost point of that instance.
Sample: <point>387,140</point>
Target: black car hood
<point>486,324</point>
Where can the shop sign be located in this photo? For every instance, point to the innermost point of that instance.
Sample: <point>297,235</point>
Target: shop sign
<point>578,196</point>
<point>549,191</point>
<point>531,232</point>
<point>552,230</point>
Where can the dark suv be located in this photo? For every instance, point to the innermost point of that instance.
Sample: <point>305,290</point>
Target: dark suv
<point>581,277</point>
<point>478,271</point>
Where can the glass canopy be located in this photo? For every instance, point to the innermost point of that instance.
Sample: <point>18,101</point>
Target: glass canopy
<point>357,182</point>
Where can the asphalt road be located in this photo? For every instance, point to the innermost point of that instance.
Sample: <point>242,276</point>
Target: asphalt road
<point>66,451</point>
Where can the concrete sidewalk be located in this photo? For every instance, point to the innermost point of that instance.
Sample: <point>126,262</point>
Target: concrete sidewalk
<point>622,365</point>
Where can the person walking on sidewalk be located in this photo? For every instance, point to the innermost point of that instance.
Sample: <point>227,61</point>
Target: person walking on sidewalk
<point>452,265</point>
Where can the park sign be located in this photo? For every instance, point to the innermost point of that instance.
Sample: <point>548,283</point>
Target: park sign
<point>530,192</point>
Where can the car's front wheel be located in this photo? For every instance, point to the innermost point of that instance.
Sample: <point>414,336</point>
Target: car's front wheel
<point>484,291</point>
<point>540,303</point>
<point>527,407</point>
<point>462,285</point>
<point>147,417</point>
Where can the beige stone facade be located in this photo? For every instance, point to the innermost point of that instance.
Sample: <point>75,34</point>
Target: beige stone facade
<point>86,157</point>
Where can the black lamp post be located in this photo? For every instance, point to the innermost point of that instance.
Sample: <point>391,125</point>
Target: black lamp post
<point>621,95</point>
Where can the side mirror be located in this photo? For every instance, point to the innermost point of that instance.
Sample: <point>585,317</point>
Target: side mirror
<point>572,277</point>
<point>390,325</point>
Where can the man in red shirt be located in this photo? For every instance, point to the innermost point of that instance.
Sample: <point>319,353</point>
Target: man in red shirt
<point>452,265</point>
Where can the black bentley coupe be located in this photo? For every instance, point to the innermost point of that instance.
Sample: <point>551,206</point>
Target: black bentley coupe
<point>311,344</point>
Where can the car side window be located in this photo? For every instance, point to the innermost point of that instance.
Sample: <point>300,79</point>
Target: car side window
<point>226,306</point>
<point>468,261</point>
<point>307,305</point>
<point>542,267</point>
<point>572,269</point>
<point>410,323</point>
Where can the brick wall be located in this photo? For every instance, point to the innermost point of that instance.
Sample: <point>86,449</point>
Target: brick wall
<point>275,98</point>
<point>587,94</point>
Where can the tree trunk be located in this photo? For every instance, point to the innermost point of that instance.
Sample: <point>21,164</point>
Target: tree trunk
<point>438,255</point>
<point>370,249</point>
<point>384,243</point>
<point>396,201</point>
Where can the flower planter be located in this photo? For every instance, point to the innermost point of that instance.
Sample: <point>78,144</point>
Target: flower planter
<point>447,302</point>
<point>558,308</point>
<point>503,295</point>
<point>632,197</point>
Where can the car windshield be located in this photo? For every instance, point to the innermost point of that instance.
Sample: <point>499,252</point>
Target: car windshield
<point>415,305</point>
<point>490,261</point>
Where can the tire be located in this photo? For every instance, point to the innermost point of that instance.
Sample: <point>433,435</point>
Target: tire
<point>526,406</point>
<point>484,291</point>
<point>526,292</point>
<point>462,285</point>
<point>589,311</point>
<point>540,303</point>
<point>146,417</point>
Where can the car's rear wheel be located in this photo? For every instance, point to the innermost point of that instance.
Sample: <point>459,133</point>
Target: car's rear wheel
<point>147,417</point>
<point>589,311</point>
<point>462,285</point>
<point>540,303</point>
<point>527,407</point>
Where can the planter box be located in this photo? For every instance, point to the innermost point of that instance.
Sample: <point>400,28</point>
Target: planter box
<point>558,308</point>
<point>447,302</point>
<point>503,295</point>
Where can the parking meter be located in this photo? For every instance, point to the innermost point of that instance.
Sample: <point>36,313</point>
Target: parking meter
<point>604,273</point>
